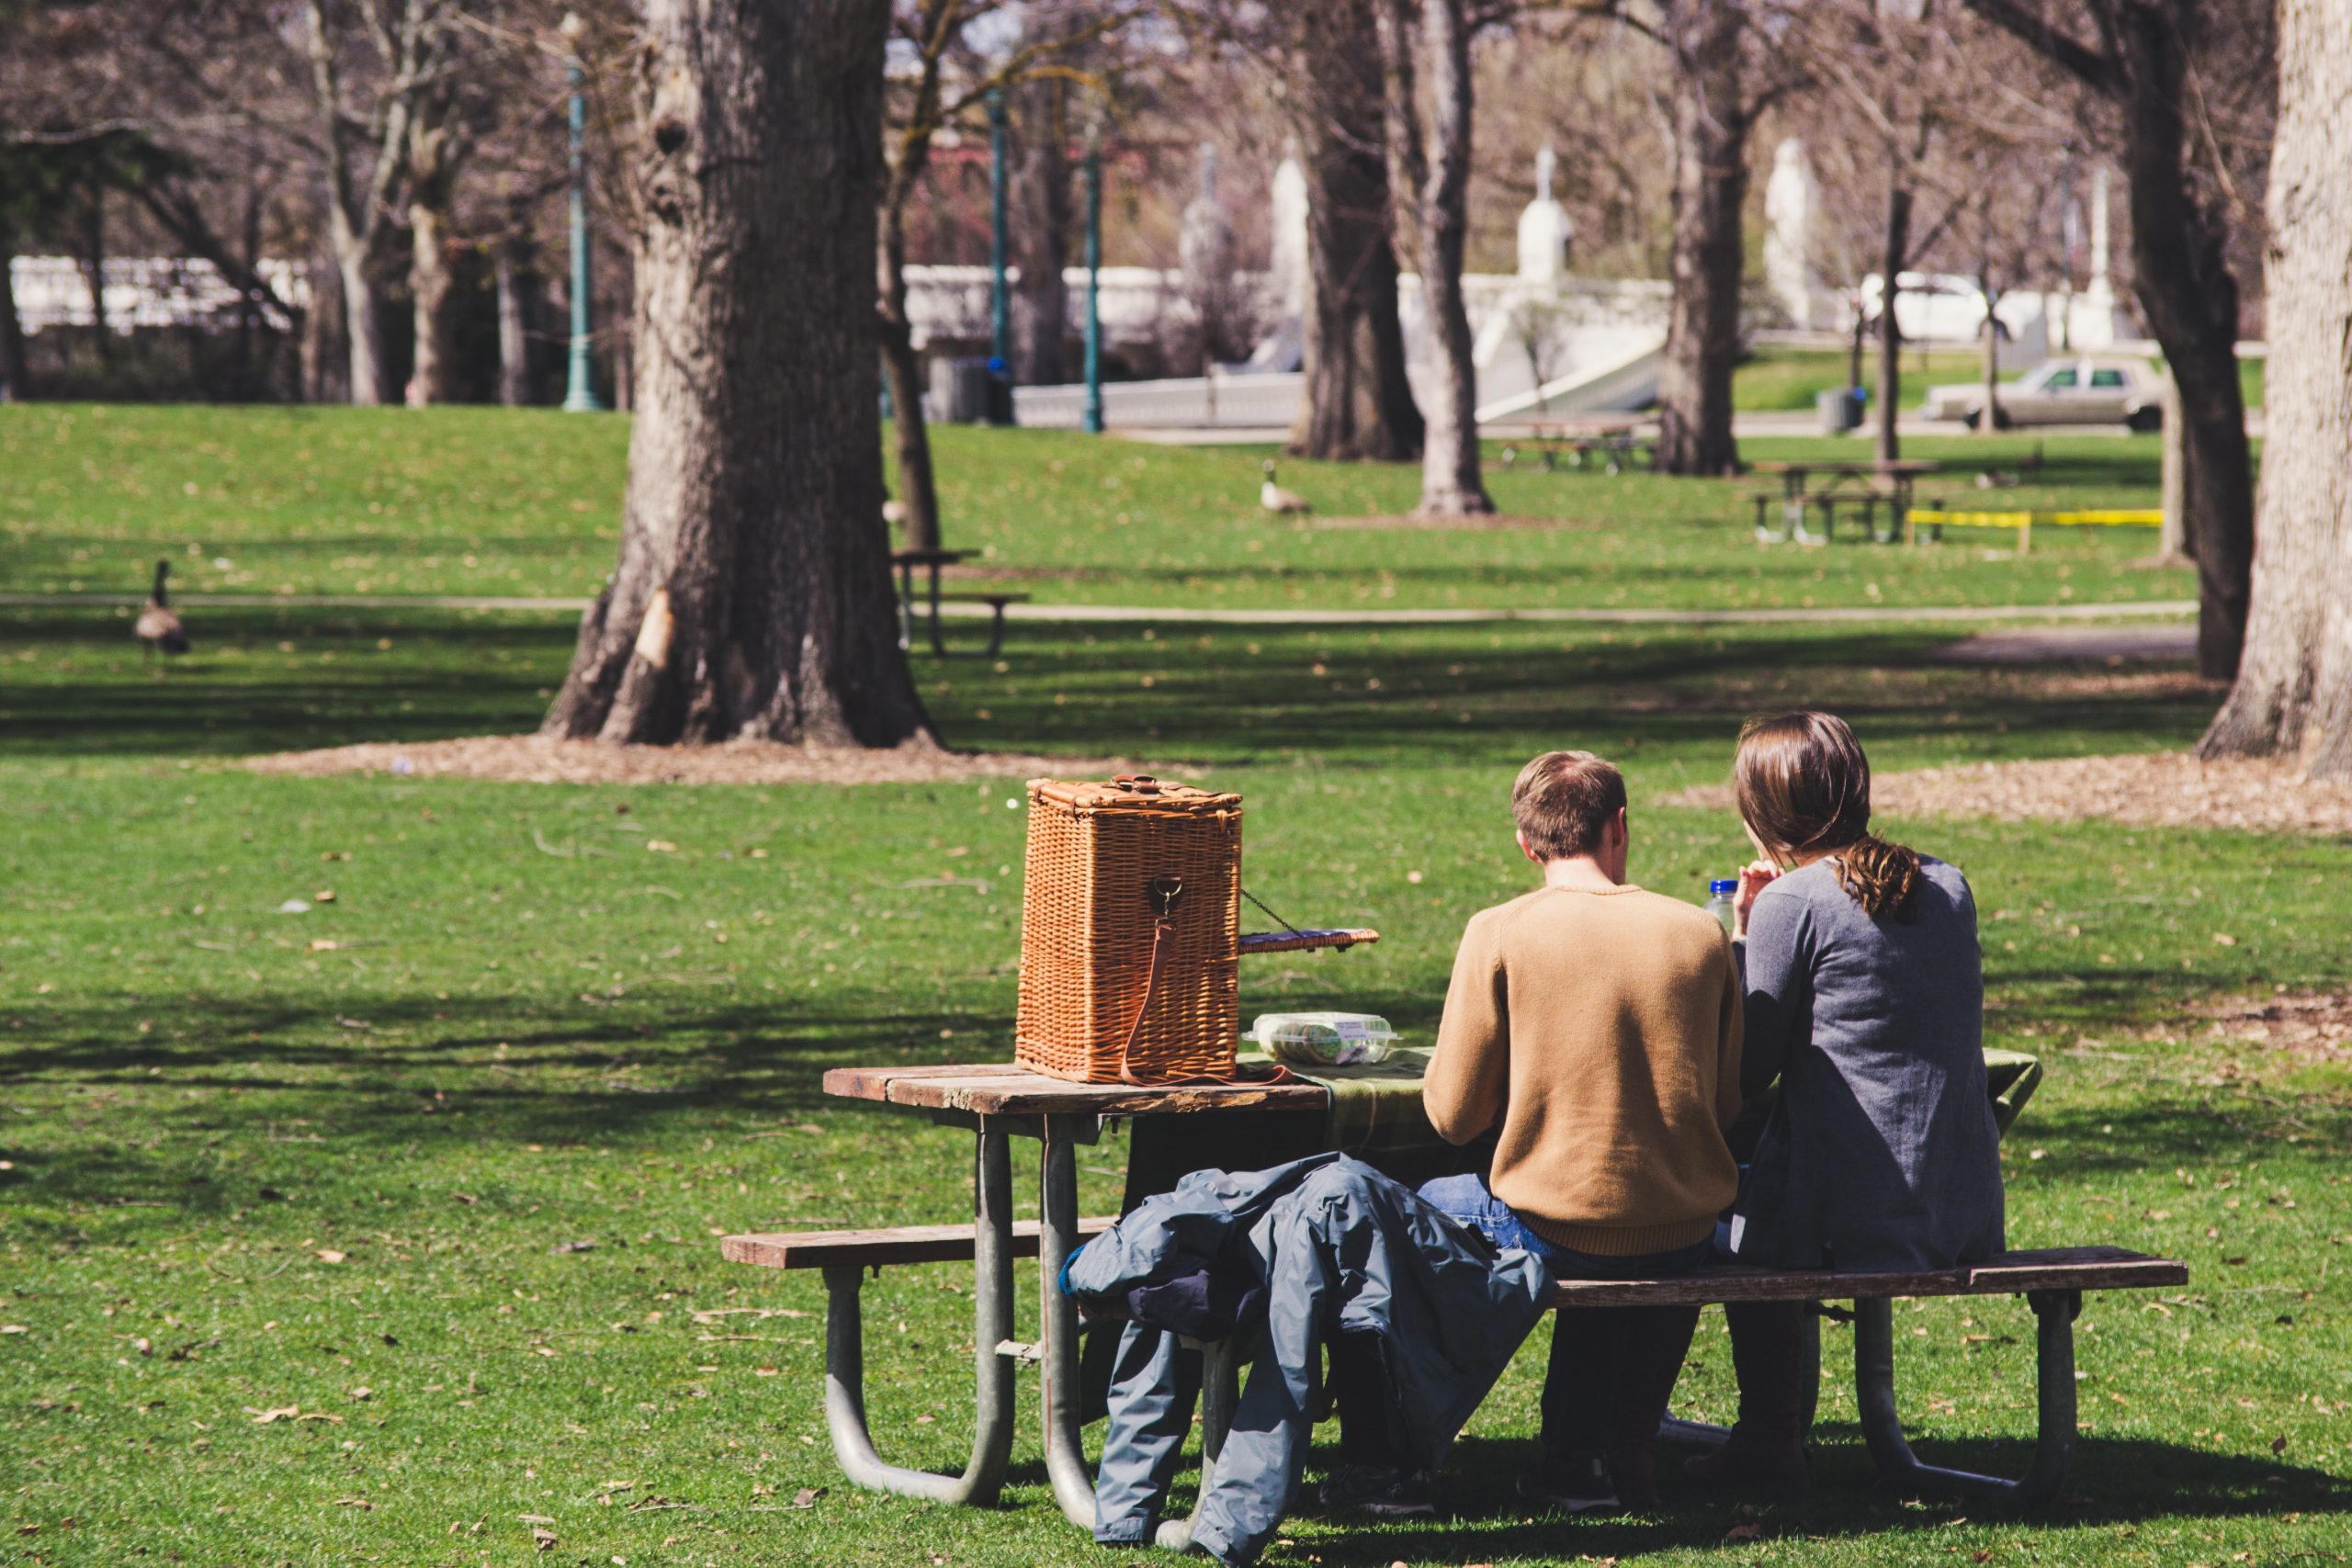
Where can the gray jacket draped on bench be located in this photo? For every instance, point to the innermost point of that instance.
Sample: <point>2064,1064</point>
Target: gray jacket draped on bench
<point>1321,1246</point>
<point>1881,1151</point>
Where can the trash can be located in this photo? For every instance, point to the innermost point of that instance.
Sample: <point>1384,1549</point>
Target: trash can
<point>1840,411</point>
<point>960,391</point>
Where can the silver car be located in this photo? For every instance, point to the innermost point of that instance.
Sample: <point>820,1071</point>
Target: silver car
<point>2062,392</point>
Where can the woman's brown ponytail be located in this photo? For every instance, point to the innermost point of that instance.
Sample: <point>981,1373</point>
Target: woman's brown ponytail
<point>1880,877</point>
<point>1803,786</point>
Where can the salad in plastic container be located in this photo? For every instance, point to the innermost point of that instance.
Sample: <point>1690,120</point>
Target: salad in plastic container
<point>1324,1038</point>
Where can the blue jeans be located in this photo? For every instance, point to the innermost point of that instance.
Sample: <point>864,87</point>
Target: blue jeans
<point>1611,1368</point>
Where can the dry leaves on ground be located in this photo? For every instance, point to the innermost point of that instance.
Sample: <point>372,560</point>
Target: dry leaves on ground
<point>537,758</point>
<point>2165,790</point>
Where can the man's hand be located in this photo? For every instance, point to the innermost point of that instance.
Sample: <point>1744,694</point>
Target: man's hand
<point>1754,877</point>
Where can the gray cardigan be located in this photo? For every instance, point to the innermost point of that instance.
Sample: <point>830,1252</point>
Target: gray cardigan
<point>1881,1151</point>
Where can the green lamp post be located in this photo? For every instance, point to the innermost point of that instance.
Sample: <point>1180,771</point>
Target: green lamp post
<point>1092,419</point>
<point>580,392</point>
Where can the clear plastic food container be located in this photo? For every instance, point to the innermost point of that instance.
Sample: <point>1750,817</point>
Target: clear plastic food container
<point>1324,1038</point>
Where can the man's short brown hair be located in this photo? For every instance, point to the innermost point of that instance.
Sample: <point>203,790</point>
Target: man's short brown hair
<point>1563,800</point>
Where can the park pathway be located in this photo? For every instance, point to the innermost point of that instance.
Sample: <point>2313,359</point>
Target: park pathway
<point>1300,615</point>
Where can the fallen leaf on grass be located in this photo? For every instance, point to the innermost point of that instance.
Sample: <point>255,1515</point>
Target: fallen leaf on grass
<point>13,1328</point>
<point>329,1254</point>
<point>289,1413</point>
<point>559,1248</point>
<point>545,1538</point>
<point>2279,1445</point>
<point>1745,1532</point>
<point>353,1502</point>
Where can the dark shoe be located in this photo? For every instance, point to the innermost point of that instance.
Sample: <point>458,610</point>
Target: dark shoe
<point>1632,1469</point>
<point>1572,1485</point>
<point>1750,1459</point>
<point>1380,1491</point>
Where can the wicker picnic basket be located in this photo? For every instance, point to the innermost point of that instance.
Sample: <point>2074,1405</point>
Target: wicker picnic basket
<point>1130,932</point>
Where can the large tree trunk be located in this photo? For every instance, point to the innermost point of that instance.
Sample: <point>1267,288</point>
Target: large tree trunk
<point>325,358</point>
<point>1710,124</point>
<point>918,493</point>
<point>2293,697</point>
<point>1358,402</point>
<point>1041,211</point>
<point>1426,49</point>
<point>2181,273</point>
<point>1890,333</point>
<point>754,596</point>
<point>1989,367</point>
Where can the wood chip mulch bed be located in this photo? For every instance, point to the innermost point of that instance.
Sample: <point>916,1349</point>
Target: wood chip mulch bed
<point>2167,790</point>
<point>2309,1026</point>
<point>536,758</point>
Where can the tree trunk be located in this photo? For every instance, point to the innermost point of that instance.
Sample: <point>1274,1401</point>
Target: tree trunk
<point>363,316</point>
<point>1890,335</point>
<point>1426,49</point>
<point>433,291</point>
<point>325,358</point>
<point>14,386</point>
<point>93,271</point>
<point>2293,697</point>
<point>1710,189</point>
<point>1041,212</point>
<point>2180,264</point>
<point>918,493</point>
<point>1988,419</point>
<point>2172,534</point>
<point>513,272</point>
<point>1358,402</point>
<point>752,597</point>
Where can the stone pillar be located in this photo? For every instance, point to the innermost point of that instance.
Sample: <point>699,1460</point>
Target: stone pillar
<point>1791,200</point>
<point>1544,232</point>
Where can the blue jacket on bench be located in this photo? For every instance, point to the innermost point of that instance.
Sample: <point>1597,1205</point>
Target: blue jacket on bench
<point>1321,1246</point>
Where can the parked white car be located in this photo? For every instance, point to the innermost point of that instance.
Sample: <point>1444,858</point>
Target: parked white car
<point>2062,392</point>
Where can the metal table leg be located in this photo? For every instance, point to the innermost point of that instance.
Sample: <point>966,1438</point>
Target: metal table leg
<point>983,1477</point>
<point>1065,1454</point>
<point>2055,1311</point>
<point>1220,1392</point>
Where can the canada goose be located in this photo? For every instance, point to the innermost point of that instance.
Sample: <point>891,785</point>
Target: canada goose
<point>1278,501</point>
<point>156,626</point>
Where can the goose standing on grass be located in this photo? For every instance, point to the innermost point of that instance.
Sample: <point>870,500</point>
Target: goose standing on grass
<point>1280,501</point>
<point>157,628</point>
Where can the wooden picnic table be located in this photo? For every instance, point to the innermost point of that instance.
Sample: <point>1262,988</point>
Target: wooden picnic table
<point>1892,477</point>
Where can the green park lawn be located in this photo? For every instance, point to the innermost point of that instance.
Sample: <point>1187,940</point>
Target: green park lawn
<point>479,502</point>
<point>340,1165</point>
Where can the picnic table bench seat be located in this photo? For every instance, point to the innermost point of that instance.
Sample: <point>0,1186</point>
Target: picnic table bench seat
<point>2052,1281</point>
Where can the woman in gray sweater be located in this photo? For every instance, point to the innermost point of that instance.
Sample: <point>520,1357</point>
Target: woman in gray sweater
<point>1865,998</point>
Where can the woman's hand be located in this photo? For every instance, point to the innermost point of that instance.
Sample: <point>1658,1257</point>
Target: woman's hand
<point>1754,877</point>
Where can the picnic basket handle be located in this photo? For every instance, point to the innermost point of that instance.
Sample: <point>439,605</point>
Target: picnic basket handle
<point>1165,892</point>
<point>1141,784</point>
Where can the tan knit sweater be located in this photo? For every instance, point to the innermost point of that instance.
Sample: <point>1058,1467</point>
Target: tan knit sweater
<point>1601,1029</point>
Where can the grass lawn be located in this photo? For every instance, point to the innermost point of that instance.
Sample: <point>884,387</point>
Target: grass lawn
<point>340,1163</point>
<point>493,501</point>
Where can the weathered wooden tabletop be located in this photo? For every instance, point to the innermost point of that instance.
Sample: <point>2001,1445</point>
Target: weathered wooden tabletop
<point>1006,1090</point>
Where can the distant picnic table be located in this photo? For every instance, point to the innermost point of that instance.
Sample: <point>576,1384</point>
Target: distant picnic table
<point>1615,438</point>
<point>1871,484</point>
<point>931,562</point>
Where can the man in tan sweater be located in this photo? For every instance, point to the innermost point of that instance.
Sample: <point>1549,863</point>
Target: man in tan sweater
<point>1594,1028</point>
